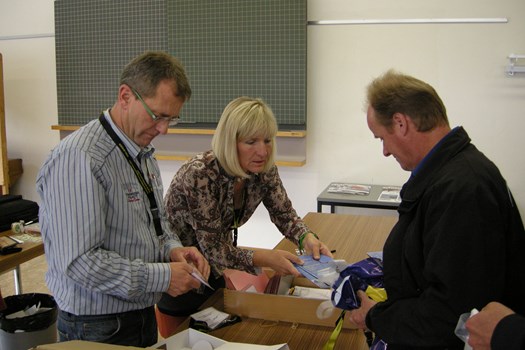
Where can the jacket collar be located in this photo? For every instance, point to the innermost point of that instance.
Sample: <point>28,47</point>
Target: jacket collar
<point>445,150</point>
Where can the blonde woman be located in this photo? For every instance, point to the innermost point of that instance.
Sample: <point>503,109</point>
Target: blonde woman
<point>217,191</point>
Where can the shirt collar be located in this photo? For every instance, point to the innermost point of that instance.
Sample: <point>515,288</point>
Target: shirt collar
<point>433,150</point>
<point>134,150</point>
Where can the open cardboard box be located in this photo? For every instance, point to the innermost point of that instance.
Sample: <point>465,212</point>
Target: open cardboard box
<point>189,337</point>
<point>85,345</point>
<point>281,307</point>
<point>180,341</point>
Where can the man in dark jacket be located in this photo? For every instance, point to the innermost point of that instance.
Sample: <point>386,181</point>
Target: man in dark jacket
<point>457,243</point>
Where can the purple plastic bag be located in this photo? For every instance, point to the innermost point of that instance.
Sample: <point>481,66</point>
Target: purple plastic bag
<point>358,276</point>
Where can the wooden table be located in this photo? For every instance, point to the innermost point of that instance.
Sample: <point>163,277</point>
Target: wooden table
<point>12,261</point>
<point>352,236</point>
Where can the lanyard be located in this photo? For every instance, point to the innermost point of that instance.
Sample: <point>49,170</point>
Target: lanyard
<point>237,216</point>
<point>330,344</point>
<point>140,176</point>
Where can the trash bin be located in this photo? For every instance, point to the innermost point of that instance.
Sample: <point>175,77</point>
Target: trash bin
<point>25,332</point>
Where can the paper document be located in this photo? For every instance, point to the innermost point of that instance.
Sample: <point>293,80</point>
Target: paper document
<point>377,256</point>
<point>339,187</point>
<point>311,293</point>
<point>390,194</point>
<point>198,277</point>
<point>321,272</point>
<point>211,316</point>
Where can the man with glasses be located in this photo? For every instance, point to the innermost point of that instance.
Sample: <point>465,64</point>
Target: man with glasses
<point>109,250</point>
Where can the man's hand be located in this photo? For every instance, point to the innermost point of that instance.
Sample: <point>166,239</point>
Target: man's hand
<point>482,325</point>
<point>181,279</point>
<point>192,256</point>
<point>358,316</point>
<point>280,261</point>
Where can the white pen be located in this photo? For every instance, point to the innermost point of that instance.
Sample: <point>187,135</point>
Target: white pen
<point>16,239</point>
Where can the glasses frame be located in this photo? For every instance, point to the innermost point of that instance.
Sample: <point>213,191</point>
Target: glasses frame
<point>172,121</point>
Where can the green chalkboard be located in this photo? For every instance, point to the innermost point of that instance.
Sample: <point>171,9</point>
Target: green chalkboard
<point>229,48</point>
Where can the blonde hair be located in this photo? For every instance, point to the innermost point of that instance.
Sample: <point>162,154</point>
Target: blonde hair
<point>243,118</point>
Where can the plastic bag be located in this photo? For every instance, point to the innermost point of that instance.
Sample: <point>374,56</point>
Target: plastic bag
<point>359,276</point>
<point>461,332</point>
<point>365,275</point>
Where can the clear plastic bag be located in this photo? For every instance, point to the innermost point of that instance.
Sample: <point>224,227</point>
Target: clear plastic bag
<point>462,332</point>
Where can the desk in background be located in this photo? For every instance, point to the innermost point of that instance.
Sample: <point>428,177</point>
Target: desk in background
<point>352,236</point>
<point>12,261</point>
<point>370,200</point>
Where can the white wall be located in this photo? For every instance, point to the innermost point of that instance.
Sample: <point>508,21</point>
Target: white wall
<point>464,62</point>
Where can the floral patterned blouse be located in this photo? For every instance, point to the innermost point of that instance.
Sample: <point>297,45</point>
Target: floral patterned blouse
<point>199,206</point>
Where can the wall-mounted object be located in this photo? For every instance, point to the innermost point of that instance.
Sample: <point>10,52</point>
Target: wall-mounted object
<point>409,21</point>
<point>513,66</point>
<point>229,48</point>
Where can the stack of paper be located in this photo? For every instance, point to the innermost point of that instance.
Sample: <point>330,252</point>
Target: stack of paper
<point>390,194</point>
<point>339,187</point>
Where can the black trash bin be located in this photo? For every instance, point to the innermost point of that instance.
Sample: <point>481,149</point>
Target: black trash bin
<point>26,332</point>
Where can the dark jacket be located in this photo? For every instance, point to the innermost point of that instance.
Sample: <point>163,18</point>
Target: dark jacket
<point>455,247</point>
<point>509,334</point>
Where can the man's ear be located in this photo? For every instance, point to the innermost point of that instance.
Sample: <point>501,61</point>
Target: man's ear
<point>400,123</point>
<point>125,95</point>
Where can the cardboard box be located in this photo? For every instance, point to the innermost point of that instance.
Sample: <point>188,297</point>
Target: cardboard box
<point>188,338</point>
<point>281,307</point>
<point>180,341</point>
<point>85,345</point>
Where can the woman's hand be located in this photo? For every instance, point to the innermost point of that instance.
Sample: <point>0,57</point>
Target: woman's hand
<point>280,261</point>
<point>315,247</point>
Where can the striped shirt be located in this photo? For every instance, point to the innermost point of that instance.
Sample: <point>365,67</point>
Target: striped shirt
<point>102,250</point>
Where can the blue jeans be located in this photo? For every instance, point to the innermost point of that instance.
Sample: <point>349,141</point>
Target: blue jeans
<point>133,328</point>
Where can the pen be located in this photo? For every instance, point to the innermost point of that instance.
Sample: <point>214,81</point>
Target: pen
<point>16,239</point>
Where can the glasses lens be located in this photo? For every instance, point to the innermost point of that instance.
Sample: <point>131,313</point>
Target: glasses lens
<point>173,121</point>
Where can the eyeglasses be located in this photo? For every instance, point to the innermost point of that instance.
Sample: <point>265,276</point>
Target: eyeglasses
<point>172,121</point>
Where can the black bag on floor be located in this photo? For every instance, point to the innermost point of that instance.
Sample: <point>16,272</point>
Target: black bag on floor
<point>13,208</point>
